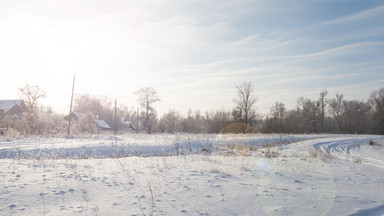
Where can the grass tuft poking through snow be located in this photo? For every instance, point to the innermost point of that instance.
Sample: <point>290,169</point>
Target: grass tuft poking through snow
<point>371,142</point>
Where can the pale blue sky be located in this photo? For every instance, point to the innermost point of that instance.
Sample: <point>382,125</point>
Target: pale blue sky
<point>192,52</point>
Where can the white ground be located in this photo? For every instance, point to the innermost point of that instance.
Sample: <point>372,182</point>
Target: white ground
<point>193,175</point>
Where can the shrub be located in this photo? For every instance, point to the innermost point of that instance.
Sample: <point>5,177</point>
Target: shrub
<point>314,153</point>
<point>242,150</point>
<point>268,152</point>
<point>371,142</point>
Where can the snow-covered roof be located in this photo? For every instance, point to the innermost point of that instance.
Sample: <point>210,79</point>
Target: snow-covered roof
<point>79,114</point>
<point>102,124</point>
<point>6,105</point>
<point>75,115</point>
<point>129,124</point>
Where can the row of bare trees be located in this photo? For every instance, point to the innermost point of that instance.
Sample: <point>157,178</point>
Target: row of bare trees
<point>241,119</point>
<point>323,115</point>
<point>329,115</point>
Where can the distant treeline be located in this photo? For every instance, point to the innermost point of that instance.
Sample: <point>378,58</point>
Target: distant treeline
<point>323,115</point>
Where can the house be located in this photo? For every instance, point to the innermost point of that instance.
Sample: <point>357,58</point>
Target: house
<point>127,125</point>
<point>76,116</point>
<point>102,125</point>
<point>12,107</point>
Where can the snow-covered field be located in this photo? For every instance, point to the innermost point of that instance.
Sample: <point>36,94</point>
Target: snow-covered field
<point>189,174</point>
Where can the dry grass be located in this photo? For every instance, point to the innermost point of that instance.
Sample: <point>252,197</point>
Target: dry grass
<point>314,153</point>
<point>357,160</point>
<point>269,152</point>
<point>371,143</point>
<point>242,150</point>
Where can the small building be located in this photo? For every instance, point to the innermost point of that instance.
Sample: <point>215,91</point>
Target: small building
<point>74,116</point>
<point>127,126</point>
<point>12,107</point>
<point>102,125</point>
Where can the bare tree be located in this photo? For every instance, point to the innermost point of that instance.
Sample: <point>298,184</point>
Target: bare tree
<point>99,106</point>
<point>245,103</point>
<point>309,110</point>
<point>278,111</point>
<point>195,122</point>
<point>217,121</point>
<point>170,122</point>
<point>336,110</point>
<point>356,116</point>
<point>323,103</point>
<point>294,121</point>
<point>277,114</point>
<point>30,94</point>
<point>376,99</point>
<point>146,97</point>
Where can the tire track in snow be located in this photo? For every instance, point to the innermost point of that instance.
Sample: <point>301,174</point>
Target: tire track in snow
<point>344,149</point>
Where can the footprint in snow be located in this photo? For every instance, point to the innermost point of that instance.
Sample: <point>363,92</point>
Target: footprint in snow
<point>42,194</point>
<point>60,193</point>
<point>12,206</point>
<point>245,184</point>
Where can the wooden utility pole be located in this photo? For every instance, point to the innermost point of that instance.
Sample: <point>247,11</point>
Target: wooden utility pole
<point>115,116</point>
<point>137,121</point>
<point>70,108</point>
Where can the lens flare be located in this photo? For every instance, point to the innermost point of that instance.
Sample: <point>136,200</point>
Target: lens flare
<point>288,185</point>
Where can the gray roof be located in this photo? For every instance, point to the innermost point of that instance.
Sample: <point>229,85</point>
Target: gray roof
<point>102,124</point>
<point>79,114</point>
<point>6,105</point>
<point>129,124</point>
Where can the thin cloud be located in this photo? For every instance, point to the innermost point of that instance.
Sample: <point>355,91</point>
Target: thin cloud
<point>367,14</point>
<point>185,48</point>
<point>341,50</point>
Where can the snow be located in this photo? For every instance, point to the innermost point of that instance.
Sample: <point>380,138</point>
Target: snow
<point>188,174</point>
